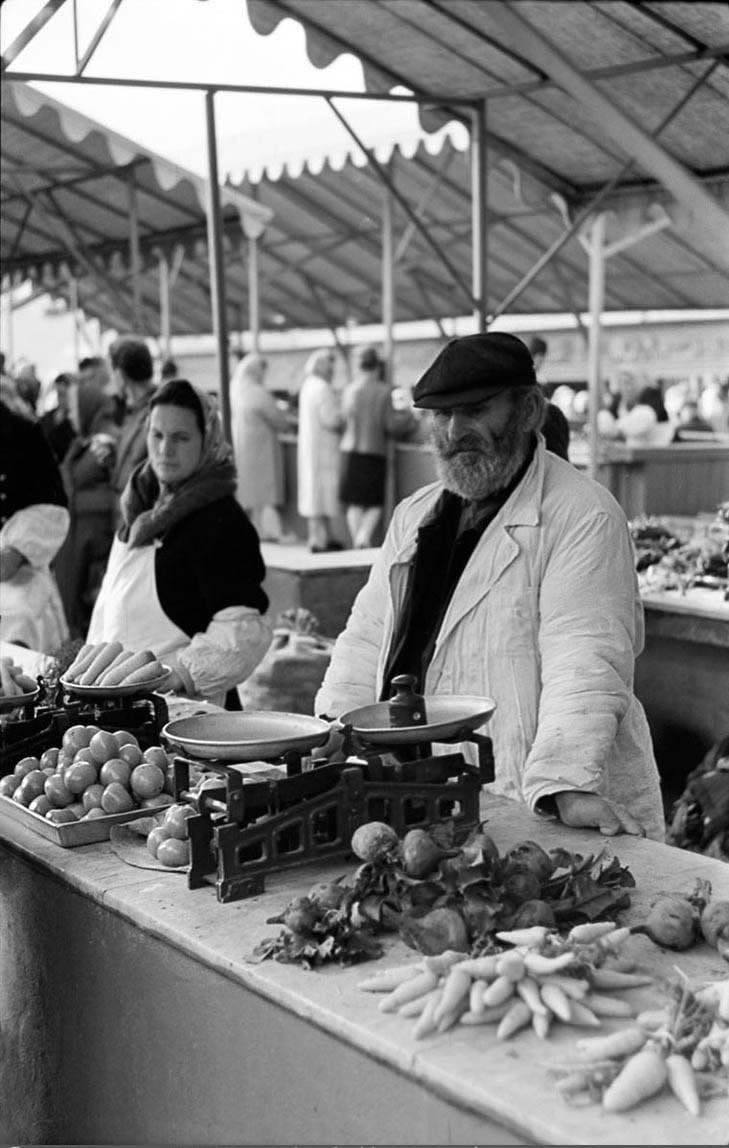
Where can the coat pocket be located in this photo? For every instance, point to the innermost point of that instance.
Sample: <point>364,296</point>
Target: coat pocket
<point>513,622</point>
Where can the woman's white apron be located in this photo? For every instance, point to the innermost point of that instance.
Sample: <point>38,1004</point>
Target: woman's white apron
<point>128,609</point>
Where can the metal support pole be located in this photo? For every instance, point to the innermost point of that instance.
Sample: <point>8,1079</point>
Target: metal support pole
<point>388,347</point>
<point>74,309</point>
<point>478,215</point>
<point>596,251</point>
<point>215,258</point>
<point>135,262</point>
<point>254,311</point>
<point>165,326</point>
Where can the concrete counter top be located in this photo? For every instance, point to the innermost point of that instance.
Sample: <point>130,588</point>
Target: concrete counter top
<point>482,1083</point>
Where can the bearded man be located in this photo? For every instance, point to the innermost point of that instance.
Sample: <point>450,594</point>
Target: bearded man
<point>512,577</point>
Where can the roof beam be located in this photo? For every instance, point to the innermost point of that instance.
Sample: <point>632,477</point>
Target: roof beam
<point>636,143</point>
<point>30,31</point>
<point>612,71</point>
<point>98,36</point>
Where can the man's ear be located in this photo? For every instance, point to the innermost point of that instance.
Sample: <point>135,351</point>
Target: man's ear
<point>534,411</point>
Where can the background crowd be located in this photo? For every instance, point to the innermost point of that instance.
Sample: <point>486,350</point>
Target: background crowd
<point>90,436</point>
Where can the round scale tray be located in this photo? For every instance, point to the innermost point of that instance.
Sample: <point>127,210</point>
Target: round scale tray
<point>252,736</point>
<point>117,691</point>
<point>447,716</point>
<point>15,701</point>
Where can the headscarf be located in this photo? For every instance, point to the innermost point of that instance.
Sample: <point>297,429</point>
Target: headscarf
<point>149,508</point>
<point>317,361</point>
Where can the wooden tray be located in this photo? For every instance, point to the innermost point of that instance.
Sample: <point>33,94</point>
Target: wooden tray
<point>72,833</point>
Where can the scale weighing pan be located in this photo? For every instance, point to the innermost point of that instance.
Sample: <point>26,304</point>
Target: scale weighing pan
<point>17,701</point>
<point>256,735</point>
<point>447,714</point>
<point>117,691</point>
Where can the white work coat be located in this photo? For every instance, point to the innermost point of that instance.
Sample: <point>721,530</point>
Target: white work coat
<point>546,620</point>
<point>320,423</point>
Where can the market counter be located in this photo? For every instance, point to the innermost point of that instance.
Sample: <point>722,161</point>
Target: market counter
<point>132,1016</point>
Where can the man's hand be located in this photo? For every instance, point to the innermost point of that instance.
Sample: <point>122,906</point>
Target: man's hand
<point>590,811</point>
<point>332,749</point>
<point>10,562</point>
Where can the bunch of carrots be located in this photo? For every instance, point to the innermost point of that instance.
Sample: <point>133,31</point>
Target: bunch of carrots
<point>680,1046</point>
<point>541,979</point>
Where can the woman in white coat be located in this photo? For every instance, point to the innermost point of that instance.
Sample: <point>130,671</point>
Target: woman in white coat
<point>320,425</point>
<point>256,422</point>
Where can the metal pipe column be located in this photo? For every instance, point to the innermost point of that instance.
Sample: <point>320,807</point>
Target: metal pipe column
<point>479,274</point>
<point>596,251</point>
<point>215,259</point>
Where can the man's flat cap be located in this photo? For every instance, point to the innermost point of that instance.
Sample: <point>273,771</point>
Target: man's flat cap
<point>468,369</point>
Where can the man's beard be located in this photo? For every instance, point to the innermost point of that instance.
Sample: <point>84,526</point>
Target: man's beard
<point>475,469</point>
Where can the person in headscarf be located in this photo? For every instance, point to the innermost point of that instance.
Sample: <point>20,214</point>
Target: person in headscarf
<point>255,423</point>
<point>320,425</point>
<point>185,570</point>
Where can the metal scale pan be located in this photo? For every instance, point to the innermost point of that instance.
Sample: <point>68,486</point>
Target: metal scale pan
<point>447,717</point>
<point>256,735</point>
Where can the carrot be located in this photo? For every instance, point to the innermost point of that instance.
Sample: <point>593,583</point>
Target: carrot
<point>510,965</point>
<point>531,938</point>
<point>517,1017</point>
<point>541,1023</point>
<point>425,1023</point>
<point>682,1082</point>
<point>484,967</point>
<point>580,1014</point>
<point>414,1007</point>
<point>528,991</point>
<point>615,939</point>
<point>82,661</point>
<point>641,1077</point>
<point>556,1001</point>
<point>388,979</point>
<point>544,966</point>
<point>488,1015</point>
<point>652,1018</point>
<point>613,1045</point>
<point>144,674</point>
<point>573,988</point>
<point>475,998</point>
<point>498,991</point>
<point>119,675</point>
<point>409,990</point>
<point>455,990</point>
<point>584,934</point>
<point>603,1005</point>
<point>442,962</point>
<point>124,656</point>
<point>603,978</point>
<point>100,662</point>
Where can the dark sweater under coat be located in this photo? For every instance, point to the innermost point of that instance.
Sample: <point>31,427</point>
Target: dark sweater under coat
<point>206,562</point>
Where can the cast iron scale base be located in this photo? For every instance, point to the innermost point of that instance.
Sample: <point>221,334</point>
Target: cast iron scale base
<point>244,829</point>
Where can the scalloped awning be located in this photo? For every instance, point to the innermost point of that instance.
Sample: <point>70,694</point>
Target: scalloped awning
<point>66,185</point>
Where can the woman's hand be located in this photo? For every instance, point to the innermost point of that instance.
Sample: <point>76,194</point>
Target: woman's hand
<point>590,811</point>
<point>175,684</point>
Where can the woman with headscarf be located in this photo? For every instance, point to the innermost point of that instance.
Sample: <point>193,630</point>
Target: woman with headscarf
<point>320,424</point>
<point>185,570</point>
<point>255,423</point>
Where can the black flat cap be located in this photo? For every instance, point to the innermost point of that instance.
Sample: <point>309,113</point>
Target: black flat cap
<point>468,369</point>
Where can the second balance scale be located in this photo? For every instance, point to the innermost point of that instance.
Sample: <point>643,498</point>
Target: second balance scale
<point>307,807</point>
